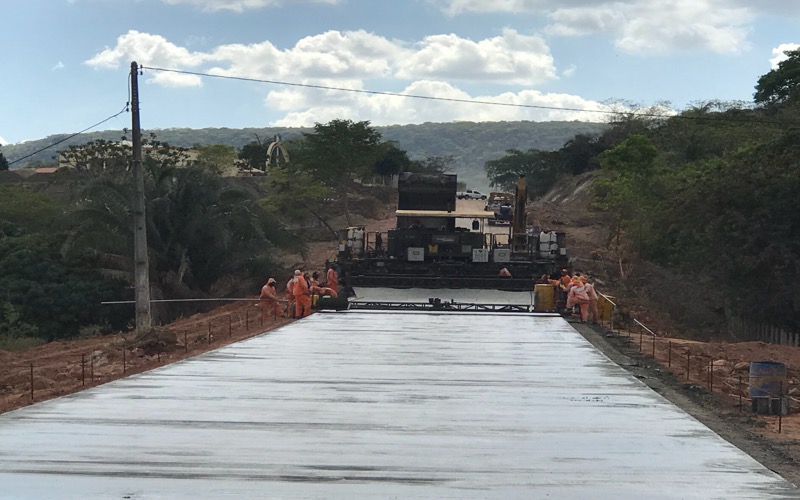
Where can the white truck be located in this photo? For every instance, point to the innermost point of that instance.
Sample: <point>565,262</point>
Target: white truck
<point>470,194</point>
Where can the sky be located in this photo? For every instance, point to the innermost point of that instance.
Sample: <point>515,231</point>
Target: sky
<point>66,63</point>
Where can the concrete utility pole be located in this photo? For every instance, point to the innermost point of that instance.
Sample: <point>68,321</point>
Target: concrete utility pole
<point>142,263</point>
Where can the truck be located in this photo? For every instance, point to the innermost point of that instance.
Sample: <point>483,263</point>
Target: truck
<point>502,206</point>
<point>470,194</point>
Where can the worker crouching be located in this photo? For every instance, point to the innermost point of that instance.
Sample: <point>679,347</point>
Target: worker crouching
<point>578,296</point>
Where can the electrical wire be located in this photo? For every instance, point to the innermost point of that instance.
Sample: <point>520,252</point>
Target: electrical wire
<point>470,101</point>
<point>125,109</point>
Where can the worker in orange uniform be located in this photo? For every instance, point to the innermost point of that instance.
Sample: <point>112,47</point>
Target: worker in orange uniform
<point>323,291</point>
<point>290,298</point>
<point>332,279</point>
<point>594,313</point>
<point>562,285</point>
<point>577,296</point>
<point>269,300</point>
<point>302,295</point>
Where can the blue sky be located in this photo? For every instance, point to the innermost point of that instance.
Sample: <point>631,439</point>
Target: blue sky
<point>66,62</point>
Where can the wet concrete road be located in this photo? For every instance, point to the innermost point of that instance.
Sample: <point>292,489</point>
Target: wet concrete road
<point>379,405</point>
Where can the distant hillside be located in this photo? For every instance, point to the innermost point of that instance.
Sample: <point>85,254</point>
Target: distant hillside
<point>471,144</point>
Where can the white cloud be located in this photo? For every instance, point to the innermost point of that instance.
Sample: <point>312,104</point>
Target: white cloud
<point>319,107</point>
<point>569,70</point>
<point>511,58</point>
<point>430,68</point>
<point>58,65</point>
<point>242,5</point>
<point>637,27</point>
<point>778,53</point>
<point>151,50</point>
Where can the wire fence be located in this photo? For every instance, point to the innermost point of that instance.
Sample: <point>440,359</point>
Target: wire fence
<point>696,369</point>
<point>125,356</point>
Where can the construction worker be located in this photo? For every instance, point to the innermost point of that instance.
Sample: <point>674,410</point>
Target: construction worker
<point>594,313</point>
<point>332,279</point>
<point>302,295</point>
<point>562,285</point>
<point>290,298</point>
<point>323,291</point>
<point>269,300</point>
<point>578,296</point>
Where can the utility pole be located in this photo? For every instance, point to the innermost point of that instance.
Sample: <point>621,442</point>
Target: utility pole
<point>142,263</point>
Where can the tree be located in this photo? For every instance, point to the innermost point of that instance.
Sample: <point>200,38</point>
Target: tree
<point>625,194</point>
<point>294,195</point>
<point>253,156</point>
<point>392,161</point>
<point>3,162</point>
<point>218,158</point>
<point>436,164</point>
<point>204,232</point>
<point>98,156</point>
<point>338,153</point>
<point>782,84</point>
<point>541,168</point>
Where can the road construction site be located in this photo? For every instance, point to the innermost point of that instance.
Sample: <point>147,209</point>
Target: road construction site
<point>377,404</point>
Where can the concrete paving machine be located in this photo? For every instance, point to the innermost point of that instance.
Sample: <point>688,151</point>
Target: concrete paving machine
<point>434,245</point>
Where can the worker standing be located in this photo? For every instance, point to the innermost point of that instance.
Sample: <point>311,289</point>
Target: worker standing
<point>594,313</point>
<point>332,279</point>
<point>302,295</point>
<point>290,298</point>
<point>269,300</point>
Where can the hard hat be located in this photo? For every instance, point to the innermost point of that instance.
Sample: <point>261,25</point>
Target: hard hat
<point>297,272</point>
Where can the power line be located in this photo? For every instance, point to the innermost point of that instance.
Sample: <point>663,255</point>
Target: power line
<point>468,101</point>
<point>378,92</point>
<point>70,136</point>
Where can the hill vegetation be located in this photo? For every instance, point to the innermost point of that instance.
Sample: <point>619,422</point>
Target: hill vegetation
<point>469,145</point>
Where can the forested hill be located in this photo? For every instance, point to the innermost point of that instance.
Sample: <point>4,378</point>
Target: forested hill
<point>470,144</point>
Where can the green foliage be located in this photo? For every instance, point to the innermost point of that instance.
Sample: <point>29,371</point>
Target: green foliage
<point>441,164</point>
<point>338,153</point>
<point>781,84</point>
<point>202,230</point>
<point>253,156</point>
<point>635,156</point>
<point>23,210</point>
<point>539,167</point>
<point>392,161</point>
<point>218,158</point>
<point>56,295</point>
<point>295,195</point>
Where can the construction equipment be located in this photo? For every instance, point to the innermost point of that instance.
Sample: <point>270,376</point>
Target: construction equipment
<point>435,246</point>
<point>502,206</point>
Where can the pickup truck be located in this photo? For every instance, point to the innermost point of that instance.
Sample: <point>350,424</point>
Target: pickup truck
<point>470,194</point>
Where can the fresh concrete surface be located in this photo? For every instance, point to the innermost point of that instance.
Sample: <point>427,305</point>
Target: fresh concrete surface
<point>379,405</point>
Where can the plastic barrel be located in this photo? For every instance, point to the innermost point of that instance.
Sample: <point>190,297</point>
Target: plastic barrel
<point>543,298</point>
<point>767,379</point>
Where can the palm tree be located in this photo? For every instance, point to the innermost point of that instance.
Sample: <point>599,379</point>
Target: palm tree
<point>203,232</point>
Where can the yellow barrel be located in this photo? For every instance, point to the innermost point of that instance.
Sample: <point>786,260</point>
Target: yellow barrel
<point>544,298</point>
<point>605,307</point>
